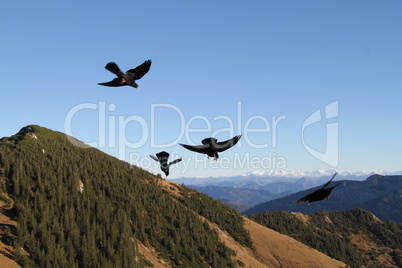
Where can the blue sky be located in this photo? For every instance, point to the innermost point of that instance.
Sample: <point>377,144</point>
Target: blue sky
<point>220,68</point>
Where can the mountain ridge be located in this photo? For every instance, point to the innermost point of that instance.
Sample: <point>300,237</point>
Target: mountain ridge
<point>270,176</point>
<point>318,173</point>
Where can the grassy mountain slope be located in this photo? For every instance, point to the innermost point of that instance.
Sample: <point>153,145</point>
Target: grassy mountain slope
<point>355,237</point>
<point>79,207</point>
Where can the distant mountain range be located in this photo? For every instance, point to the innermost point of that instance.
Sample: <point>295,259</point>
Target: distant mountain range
<point>317,173</point>
<point>259,179</point>
<point>250,189</point>
<point>381,195</point>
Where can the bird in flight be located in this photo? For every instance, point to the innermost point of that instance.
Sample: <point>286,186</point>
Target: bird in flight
<point>212,147</point>
<point>320,194</point>
<point>162,158</point>
<point>128,78</point>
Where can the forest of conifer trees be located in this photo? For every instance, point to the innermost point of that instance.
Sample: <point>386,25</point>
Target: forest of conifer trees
<point>79,207</point>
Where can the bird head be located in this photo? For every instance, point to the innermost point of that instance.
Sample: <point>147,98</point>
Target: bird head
<point>166,171</point>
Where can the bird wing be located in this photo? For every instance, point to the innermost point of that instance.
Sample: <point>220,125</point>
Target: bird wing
<point>331,188</point>
<point>114,83</point>
<point>304,199</point>
<point>224,145</point>
<point>208,141</point>
<point>326,185</point>
<point>112,67</point>
<point>139,71</point>
<point>154,158</point>
<point>175,161</point>
<point>199,148</point>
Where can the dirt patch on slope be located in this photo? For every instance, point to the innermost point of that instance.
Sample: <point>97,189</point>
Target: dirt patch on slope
<point>152,256</point>
<point>303,217</point>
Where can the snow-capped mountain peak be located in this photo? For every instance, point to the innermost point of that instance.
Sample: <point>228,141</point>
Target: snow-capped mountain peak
<point>315,173</point>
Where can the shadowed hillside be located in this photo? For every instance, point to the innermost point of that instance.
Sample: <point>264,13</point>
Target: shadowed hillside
<point>381,195</point>
<point>240,199</point>
<point>79,207</point>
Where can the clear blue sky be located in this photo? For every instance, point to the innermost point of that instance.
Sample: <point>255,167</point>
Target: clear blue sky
<point>220,68</point>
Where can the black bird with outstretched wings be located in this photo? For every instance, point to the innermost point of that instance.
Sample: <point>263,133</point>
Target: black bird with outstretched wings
<point>128,78</point>
<point>320,194</point>
<point>211,146</point>
<point>162,158</point>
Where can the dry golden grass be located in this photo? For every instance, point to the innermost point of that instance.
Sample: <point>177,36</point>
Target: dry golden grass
<point>277,250</point>
<point>170,187</point>
<point>272,249</point>
<point>243,254</point>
